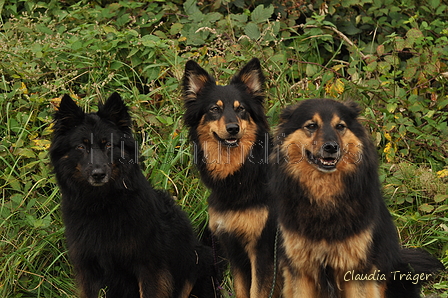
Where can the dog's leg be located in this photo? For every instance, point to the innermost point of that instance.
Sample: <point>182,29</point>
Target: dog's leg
<point>87,289</point>
<point>298,285</point>
<point>352,289</point>
<point>155,284</point>
<point>254,283</point>
<point>305,286</point>
<point>240,284</point>
<point>88,281</point>
<point>185,293</point>
<point>288,287</point>
<point>262,280</point>
<point>257,288</point>
<point>376,289</point>
<point>364,289</point>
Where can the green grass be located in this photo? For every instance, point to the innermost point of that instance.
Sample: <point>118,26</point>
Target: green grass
<point>140,48</point>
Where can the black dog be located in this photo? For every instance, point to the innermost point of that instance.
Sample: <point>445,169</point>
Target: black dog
<point>229,130</point>
<point>338,236</point>
<point>123,236</point>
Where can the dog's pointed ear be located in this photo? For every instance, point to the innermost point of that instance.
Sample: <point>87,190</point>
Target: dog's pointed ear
<point>116,111</point>
<point>287,112</point>
<point>354,107</point>
<point>68,115</point>
<point>195,80</point>
<point>252,77</point>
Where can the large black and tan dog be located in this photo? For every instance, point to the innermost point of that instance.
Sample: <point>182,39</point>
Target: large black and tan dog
<point>123,237</point>
<point>338,237</point>
<point>229,130</point>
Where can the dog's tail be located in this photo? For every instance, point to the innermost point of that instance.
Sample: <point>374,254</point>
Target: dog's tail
<point>416,267</point>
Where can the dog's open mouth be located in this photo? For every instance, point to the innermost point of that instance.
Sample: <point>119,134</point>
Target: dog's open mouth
<point>324,164</point>
<point>229,142</point>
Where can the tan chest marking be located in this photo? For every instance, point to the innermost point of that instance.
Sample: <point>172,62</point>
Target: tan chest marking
<point>307,255</point>
<point>247,223</point>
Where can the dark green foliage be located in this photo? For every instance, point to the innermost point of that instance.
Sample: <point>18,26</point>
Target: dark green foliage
<point>389,55</point>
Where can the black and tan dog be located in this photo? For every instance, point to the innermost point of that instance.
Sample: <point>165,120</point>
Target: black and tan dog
<point>338,237</point>
<point>229,131</point>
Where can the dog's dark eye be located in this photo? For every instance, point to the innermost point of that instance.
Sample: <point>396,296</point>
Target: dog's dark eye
<point>311,126</point>
<point>214,109</point>
<point>81,147</point>
<point>240,109</point>
<point>108,145</point>
<point>340,126</point>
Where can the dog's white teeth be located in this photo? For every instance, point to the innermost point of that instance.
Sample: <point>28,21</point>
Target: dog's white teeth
<point>231,141</point>
<point>328,162</point>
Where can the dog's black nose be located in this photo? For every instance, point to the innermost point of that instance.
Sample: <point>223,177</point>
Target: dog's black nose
<point>233,128</point>
<point>331,148</point>
<point>98,174</point>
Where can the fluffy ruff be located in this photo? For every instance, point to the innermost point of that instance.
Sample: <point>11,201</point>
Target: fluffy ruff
<point>338,238</point>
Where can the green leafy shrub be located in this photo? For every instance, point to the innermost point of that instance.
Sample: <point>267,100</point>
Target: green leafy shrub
<point>389,55</point>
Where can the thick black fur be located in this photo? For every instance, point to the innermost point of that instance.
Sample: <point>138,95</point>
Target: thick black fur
<point>123,236</point>
<point>359,207</point>
<point>246,189</point>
